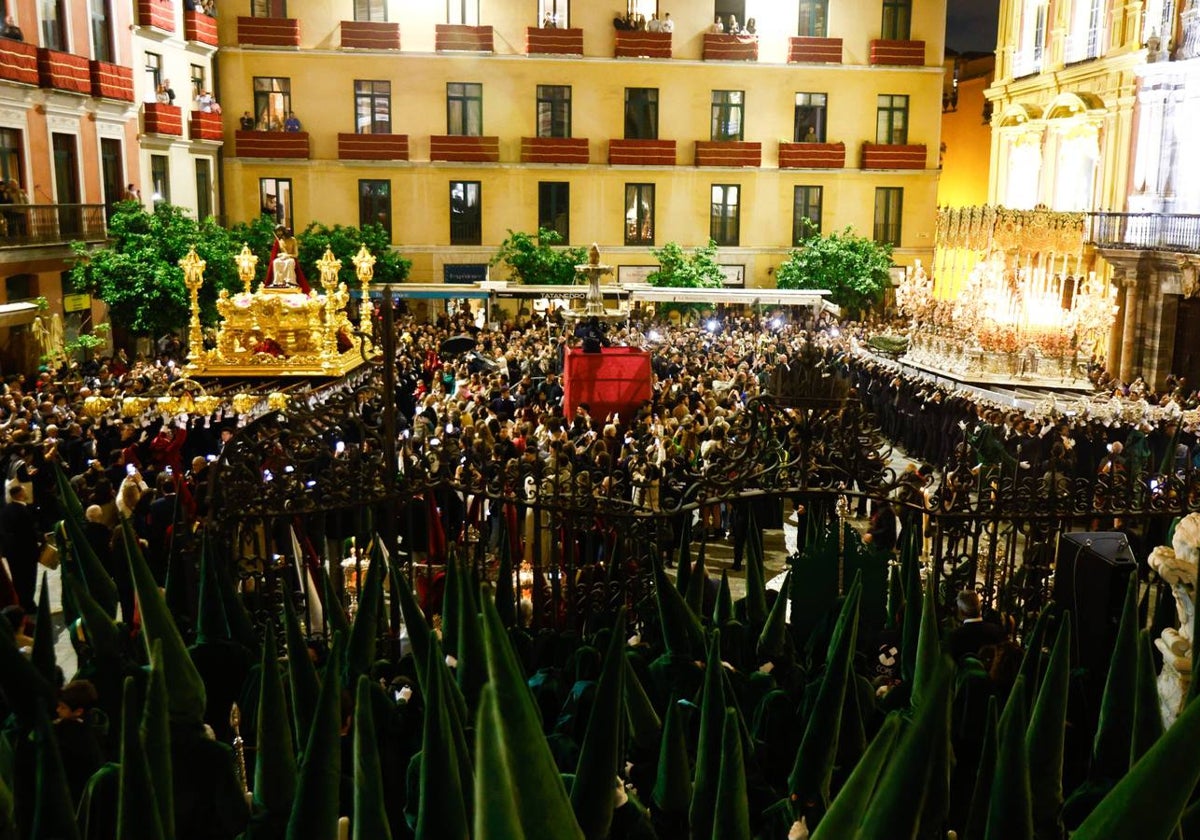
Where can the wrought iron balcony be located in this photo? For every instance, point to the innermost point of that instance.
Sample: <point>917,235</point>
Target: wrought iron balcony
<point>22,225</point>
<point>1145,231</point>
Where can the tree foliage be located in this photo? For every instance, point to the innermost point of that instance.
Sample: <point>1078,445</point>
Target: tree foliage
<point>538,261</point>
<point>344,241</point>
<point>853,268</point>
<point>676,269</point>
<point>138,275</point>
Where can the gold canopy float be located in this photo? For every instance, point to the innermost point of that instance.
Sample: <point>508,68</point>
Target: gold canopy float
<point>278,330</point>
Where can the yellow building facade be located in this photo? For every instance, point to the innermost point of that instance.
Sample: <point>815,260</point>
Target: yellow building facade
<point>448,121</point>
<point>966,132</point>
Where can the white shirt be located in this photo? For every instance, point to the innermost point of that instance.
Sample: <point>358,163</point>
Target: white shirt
<point>655,25</point>
<point>667,25</point>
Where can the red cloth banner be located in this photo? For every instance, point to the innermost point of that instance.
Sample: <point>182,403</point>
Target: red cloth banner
<point>615,380</point>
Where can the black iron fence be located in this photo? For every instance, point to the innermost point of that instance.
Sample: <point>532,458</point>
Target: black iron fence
<point>50,224</point>
<point>1145,231</point>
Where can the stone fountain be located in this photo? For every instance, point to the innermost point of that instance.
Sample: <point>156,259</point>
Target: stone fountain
<point>594,271</point>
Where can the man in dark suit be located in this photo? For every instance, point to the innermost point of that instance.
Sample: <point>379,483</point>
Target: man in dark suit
<point>974,633</point>
<point>21,539</point>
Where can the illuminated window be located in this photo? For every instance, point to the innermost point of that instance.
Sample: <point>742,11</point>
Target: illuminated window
<point>553,110</point>
<point>889,204</point>
<point>806,213</point>
<point>372,107</point>
<point>891,120</point>
<point>554,208</point>
<point>897,20</point>
<point>728,109</point>
<point>814,19</point>
<point>810,118</point>
<point>464,109</point>
<point>272,102</point>
<point>375,204</point>
<point>557,12</point>
<point>371,10</point>
<point>275,195</point>
<point>466,214</point>
<point>639,214</point>
<point>724,217</point>
<point>462,12</point>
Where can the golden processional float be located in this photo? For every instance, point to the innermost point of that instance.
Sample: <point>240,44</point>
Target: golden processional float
<point>278,330</point>
<point>1012,300</point>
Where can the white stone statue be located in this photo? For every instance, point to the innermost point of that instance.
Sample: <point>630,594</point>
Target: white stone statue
<point>1177,565</point>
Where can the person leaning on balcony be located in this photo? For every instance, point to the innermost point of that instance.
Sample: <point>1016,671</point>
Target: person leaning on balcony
<point>11,30</point>
<point>717,28</point>
<point>292,123</point>
<point>668,25</point>
<point>246,121</point>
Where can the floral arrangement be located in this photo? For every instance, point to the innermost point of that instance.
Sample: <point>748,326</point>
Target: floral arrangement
<point>998,338</point>
<point>1053,343</point>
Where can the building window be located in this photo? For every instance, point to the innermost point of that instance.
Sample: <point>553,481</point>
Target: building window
<point>375,204</point>
<point>66,168</point>
<point>1031,39</point>
<point>810,118</point>
<point>153,75</point>
<point>554,207</point>
<point>897,20</point>
<point>641,113</point>
<point>112,173</point>
<point>806,213</point>
<point>889,203</point>
<point>462,12</point>
<point>160,178</point>
<point>275,197</point>
<point>553,111</point>
<point>204,196</point>
<point>554,13</point>
<point>464,109</point>
<point>12,153</point>
<point>272,102</point>
<point>268,8</point>
<point>814,17</point>
<point>728,107</point>
<point>102,40</point>
<point>891,120</point>
<point>372,107</point>
<point>371,10</point>
<point>466,216</point>
<point>1085,31</point>
<point>723,221</point>
<point>54,25</point>
<point>639,214</point>
<point>199,82</point>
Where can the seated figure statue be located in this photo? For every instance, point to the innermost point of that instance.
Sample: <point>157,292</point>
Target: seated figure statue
<point>283,269</point>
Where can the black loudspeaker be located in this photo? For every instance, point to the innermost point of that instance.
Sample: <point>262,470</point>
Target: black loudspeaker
<point>1093,570</point>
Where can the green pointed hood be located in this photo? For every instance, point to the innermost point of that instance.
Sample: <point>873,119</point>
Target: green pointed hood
<point>910,628</point>
<point>723,611</point>
<point>23,687</point>
<point>240,627</point>
<point>102,633</point>
<point>1149,801</point>
<point>212,625</point>
<point>1114,732</point>
<point>542,804</point>
<point>773,639</point>
<point>419,634</point>
<point>87,564</point>
<point>1045,736</point>
<point>708,749</point>
<point>335,614</point>
<point>1031,662</point>
<point>672,792</point>
<point>895,597</point>
<point>53,809</point>
<point>495,802</point>
<point>506,594</point>
<point>42,656</point>
<point>185,688</point>
<point>697,582</point>
<point>8,824</point>
<point>981,794</point>
<point>731,817</point>
<point>370,815</point>
<point>155,733</point>
<point>471,672</point>
<point>303,684</point>
<point>1147,719</point>
<point>442,809</point>
<point>72,508</point>
<point>846,811</point>
<point>450,603</point>
<point>457,719</point>
<point>812,771</point>
<point>756,583</point>
<point>683,558</point>
<point>681,631</point>
<point>1010,808</point>
<point>645,727</point>
<point>275,766</point>
<point>929,646</point>
<point>315,809</point>
<point>600,754</point>
<point>896,808</point>
<point>360,649</point>
<point>137,809</point>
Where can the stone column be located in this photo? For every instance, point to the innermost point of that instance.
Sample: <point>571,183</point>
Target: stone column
<point>1113,363</point>
<point>1129,352</point>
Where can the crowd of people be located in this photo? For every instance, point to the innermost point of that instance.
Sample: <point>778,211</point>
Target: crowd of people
<point>502,401</point>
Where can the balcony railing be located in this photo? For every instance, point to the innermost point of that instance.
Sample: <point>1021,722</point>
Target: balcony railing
<point>50,224</point>
<point>1146,231</point>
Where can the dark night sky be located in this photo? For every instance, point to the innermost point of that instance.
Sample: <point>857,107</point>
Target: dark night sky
<point>971,25</point>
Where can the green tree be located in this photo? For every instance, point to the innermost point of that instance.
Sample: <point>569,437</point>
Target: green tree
<point>344,241</point>
<point>853,268</point>
<point>676,269</point>
<point>137,274</point>
<point>259,235</point>
<point>538,261</point>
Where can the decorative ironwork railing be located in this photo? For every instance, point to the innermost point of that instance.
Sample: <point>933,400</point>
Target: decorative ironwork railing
<point>50,224</point>
<point>1145,231</point>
